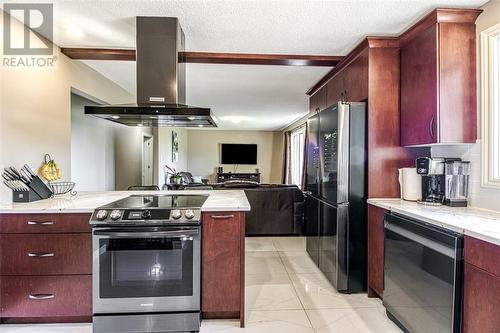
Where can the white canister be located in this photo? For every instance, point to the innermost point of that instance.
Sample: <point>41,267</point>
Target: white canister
<point>410,184</point>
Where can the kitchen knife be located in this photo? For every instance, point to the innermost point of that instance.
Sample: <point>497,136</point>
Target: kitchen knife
<point>26,175</point>
<point>6,176</point>
<point>30,170</point>
<point>7,183</point>
<point>14,171</point>
<point>10,173</point>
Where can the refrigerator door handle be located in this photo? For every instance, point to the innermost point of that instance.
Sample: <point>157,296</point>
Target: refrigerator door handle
<point>343,153</point>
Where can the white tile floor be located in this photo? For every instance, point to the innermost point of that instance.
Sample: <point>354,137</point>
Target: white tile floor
<point>285,292</point>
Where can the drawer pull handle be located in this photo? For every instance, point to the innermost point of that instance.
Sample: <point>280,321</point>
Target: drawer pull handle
<point>41,296</point>
<point>40,223</point>
<point>41,254</point>
<point>222,217</point>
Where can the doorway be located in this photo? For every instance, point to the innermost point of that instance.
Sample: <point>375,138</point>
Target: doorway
<point>147,160</point>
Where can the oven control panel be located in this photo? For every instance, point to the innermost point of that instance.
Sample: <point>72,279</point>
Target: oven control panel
<point>143,216</point>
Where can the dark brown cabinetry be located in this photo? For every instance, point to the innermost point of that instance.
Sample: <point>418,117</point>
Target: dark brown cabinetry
<point>376,250</point>
<point>318,101</point>
<point>223,264</point>
<point>481,286</point>
<point>438,79</point>
<point>46,268</point>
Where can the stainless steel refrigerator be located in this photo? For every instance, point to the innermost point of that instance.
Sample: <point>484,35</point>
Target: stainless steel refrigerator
<point>336,191</point>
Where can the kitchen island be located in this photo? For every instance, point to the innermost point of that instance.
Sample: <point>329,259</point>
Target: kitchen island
<point>46,256</point>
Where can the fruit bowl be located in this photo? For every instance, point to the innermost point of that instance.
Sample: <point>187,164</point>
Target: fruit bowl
<point>60,188</point>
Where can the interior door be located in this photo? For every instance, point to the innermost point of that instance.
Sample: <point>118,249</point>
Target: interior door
<point>147,160</point>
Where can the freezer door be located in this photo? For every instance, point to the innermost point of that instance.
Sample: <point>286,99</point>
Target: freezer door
<point>312,228</point>
<point>333,244</point>
<point>312,156</point>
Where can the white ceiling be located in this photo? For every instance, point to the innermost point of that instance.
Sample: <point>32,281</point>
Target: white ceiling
<point>269,96</point>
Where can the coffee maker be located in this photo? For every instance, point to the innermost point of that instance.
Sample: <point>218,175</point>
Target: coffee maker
<point>433,179</point>
<point>456,182</point>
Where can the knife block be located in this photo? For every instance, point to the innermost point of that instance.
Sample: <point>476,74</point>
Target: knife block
<point>25,196</point>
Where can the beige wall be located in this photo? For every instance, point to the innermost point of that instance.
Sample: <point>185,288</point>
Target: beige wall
<point>203,152</point>
<point>163,149</point>
<point>35,116</point>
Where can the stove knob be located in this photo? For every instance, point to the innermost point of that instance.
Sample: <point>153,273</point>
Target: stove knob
<point>176,214</point>
<point>189,214</point>
<point>115,214</point>
<point>146,214</point>
<point>101,215</point>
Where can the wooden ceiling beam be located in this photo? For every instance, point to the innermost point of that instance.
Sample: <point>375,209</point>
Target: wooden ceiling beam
<point>208,57</point>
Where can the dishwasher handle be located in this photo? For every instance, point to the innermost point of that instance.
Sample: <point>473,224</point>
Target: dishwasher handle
<point>428,235</point>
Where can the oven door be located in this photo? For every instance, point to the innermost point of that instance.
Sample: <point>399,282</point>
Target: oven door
<point>146,270</point>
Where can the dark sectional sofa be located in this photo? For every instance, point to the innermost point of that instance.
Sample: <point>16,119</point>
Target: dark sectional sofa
<point>275,209</point>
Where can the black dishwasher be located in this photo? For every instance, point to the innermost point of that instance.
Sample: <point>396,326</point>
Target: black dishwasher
<point>423,276</point>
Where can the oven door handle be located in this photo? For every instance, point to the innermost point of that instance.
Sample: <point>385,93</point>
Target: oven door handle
<point>152,234</point>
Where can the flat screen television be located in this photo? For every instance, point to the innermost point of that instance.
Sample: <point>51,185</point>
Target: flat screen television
<point>231,153</point>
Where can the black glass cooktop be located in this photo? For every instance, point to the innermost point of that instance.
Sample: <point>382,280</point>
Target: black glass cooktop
<point>158,201</point>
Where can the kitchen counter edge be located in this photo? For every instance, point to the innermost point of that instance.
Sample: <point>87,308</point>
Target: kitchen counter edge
<point>479,223</point>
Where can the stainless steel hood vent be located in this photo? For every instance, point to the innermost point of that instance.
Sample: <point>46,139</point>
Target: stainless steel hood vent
<point>161,87</point>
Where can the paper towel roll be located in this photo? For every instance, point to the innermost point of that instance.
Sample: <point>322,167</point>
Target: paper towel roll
<point>410,184</point>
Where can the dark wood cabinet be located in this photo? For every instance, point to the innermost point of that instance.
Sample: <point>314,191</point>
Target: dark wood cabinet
<point>46,268</point>
<point>376,250</point>
<point>355,79</point>
<point>481,286</point>
<point>438,79</point>
<point>335,89</point>
<point>56,297</point>
<point>317,102</point>
<point>481,301</point>
<point>223,265</point>
<point>45,254</point>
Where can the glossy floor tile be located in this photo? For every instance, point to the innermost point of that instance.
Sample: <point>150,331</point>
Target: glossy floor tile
<point>285,293</point>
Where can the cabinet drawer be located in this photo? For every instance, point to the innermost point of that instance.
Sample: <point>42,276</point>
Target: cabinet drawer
<point>482,254</point>
<point>46,254</point>
<point>44,223</point>
<point>44,296</point>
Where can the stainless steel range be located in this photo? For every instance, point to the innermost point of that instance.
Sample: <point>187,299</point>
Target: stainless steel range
<point>146,264</point>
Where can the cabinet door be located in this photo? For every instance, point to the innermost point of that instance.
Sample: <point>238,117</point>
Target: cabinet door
<point>222,264</point>
<point>322,98</point>
<point>481,301</point>
<point>335,88</point>
<point>313,103</point>
<point>375,250</point>
<point>419,84</point>
<point>356,79</point>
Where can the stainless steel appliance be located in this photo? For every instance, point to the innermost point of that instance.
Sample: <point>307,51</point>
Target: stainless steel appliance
<point>433,182</point>
<point>161,81</point>
<point>146,264</point>
<point>336,192</point>
<point>456,182</point>
<point>423,276</point>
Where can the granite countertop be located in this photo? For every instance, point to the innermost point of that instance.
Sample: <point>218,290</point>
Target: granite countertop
<point>86,202</point>
<point>475,222</point>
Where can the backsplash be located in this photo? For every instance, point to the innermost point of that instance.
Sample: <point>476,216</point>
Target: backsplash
<point>479,196</point>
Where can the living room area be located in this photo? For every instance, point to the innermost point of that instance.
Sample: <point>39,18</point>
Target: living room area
<point>266,163</point>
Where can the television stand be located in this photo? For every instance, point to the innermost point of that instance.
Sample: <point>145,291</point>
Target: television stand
<point>225,176</point>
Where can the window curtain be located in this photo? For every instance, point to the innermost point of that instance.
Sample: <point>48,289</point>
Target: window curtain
<point>287,155</point>
<point>304,170</point>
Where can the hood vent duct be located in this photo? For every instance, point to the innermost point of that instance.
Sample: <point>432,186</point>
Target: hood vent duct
<point>161,87</point>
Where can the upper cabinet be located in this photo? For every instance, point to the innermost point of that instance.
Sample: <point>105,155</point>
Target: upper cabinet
<point>438,79</point>
<point>317,102</point>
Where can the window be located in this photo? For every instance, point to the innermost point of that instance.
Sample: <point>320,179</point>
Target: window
<point>297,141</point>
<point>490,105</point>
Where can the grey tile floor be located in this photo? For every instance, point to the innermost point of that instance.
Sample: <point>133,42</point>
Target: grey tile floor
<point>285,292</point>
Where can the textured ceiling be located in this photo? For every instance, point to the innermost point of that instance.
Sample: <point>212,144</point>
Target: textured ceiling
<point>270,96</point>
